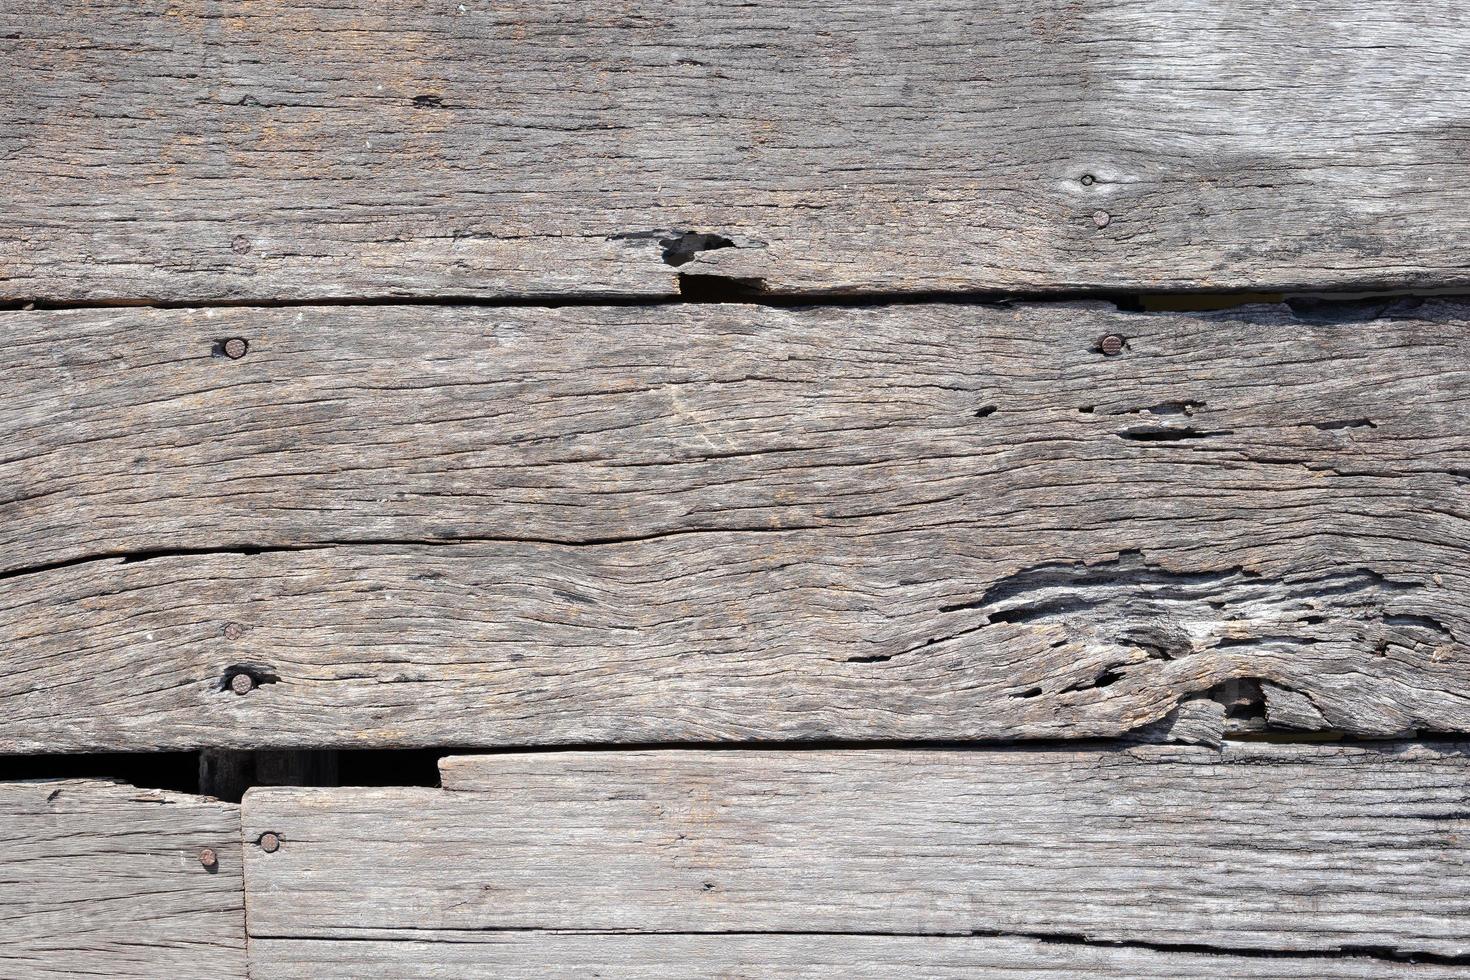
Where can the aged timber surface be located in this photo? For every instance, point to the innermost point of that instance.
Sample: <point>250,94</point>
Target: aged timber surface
<point>100,879</point>
<point>192,150</point>
<point>503,526</point>
<point>521,956</point>
<point>1252,848</point>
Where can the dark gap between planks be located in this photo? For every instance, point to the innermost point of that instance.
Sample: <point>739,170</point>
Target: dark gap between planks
<point>1312,307</point>
<point>226,774</point>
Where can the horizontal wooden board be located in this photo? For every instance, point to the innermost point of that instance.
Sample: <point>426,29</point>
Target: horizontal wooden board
<point>1256,847</point>
<point>507,526</point>
<point>305,150</point>
<point>100,879</point>
<point>510,956</point>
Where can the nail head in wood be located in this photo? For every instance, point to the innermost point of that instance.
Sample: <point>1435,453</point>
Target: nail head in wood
<point>1088,180</point>
<point>241,245</point>
<point>1111,344</point>
<point>269,842</point>
<point>1101,218</point>
<point>208,858</point>
<point>235,348</point>
<point>242,683</point>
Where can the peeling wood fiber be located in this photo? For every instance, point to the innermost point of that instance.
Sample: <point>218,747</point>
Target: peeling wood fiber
<point>412,526</point>
<point>100,879</point>
<point>1250,849</point>
<point>192,151</point>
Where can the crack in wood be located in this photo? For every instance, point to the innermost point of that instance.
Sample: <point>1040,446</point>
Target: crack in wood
<point>772,517</point>
<point>1387,954</point>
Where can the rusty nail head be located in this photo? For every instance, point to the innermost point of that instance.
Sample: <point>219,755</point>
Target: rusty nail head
<point>208,858</point>
<point>242,683</point>
<point>240,245</point>
<point>1088,180</point>
<point>1101,218</point>
<point>235,348</point>
<point>1111,344</point>
<point>234,631</point>
<point>269,842</point>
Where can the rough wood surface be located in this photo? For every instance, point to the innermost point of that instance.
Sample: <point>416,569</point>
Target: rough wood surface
<point>186,150</point>
<point>101,879</point>
<point>484,527</point>
<point>511,956</point>
<point>1256,847</point>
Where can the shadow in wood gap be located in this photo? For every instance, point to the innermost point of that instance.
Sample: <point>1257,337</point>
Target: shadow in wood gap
<point>227,773</point>
<point>701,288</point>
<point>174,771</point>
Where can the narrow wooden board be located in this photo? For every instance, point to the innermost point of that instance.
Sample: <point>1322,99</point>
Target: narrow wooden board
<point>509,526</point>
<point>304,150</point>
<point>101,879</point>
<point>1288,848</point>
<point>510,956</point>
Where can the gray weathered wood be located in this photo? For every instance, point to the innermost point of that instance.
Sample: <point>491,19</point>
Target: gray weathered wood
<point>1256,847</point>
<point>100,879</point>
<point>305,149</point>
<point>510,956</point>
<point>487,527</point>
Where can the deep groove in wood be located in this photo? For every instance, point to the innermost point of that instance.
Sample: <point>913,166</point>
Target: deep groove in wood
<point>1317,307</point>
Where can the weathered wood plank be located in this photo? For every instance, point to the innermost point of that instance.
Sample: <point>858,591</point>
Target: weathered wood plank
<point>525,525</point>
<point>1292,848</point>
<point>506,956</point>
<point>100,879</point>
<point>304,149</point>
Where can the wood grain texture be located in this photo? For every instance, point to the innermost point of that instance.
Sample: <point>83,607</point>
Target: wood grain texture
<point>506,526</point>
<point>101,879</point>
<point>511,956</point>
<point>1269,847</point>
<point>305,150</point>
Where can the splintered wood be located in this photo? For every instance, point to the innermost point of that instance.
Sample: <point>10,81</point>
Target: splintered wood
<point>407,526</point>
